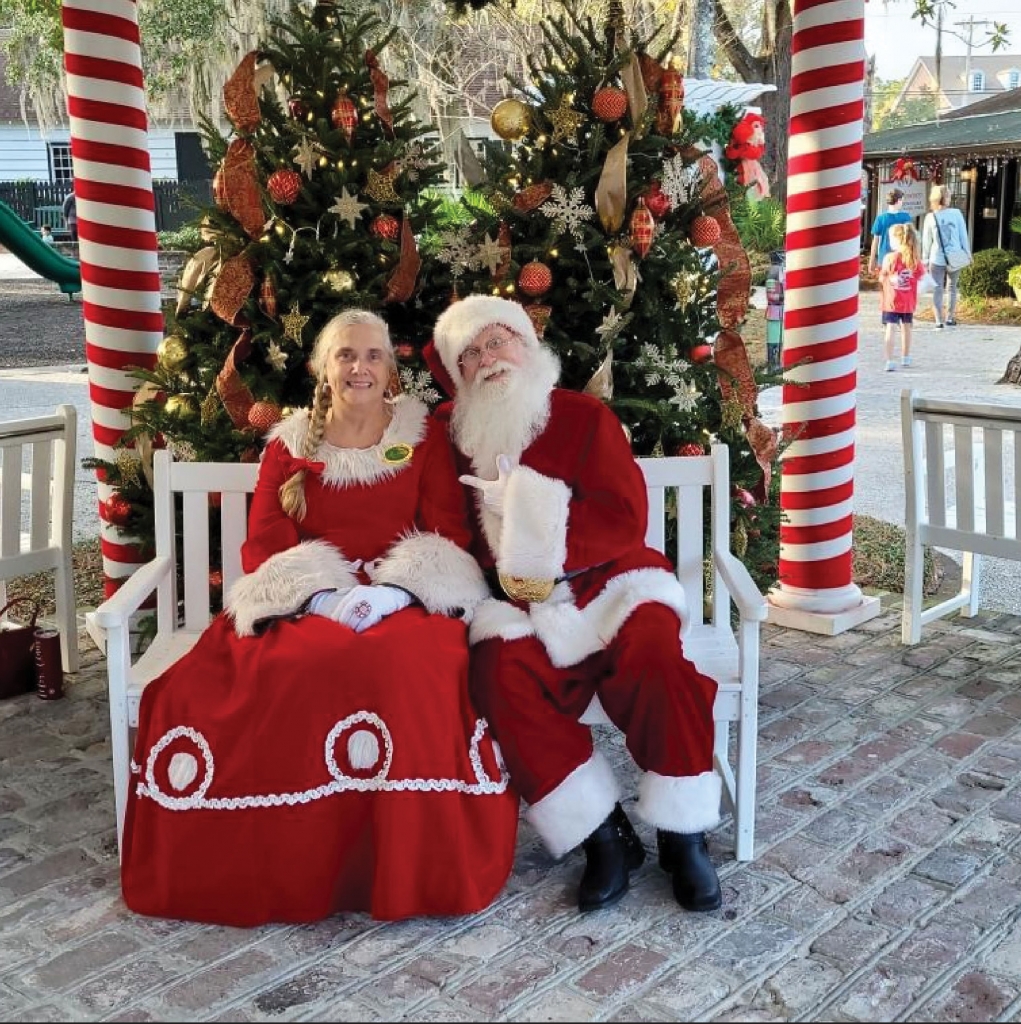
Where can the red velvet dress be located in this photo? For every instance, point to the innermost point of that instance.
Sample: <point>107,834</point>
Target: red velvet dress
<point>310,769</point>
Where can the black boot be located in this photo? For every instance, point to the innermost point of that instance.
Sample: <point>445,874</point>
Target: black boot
<point>610,851</point>
<point>686,857</point>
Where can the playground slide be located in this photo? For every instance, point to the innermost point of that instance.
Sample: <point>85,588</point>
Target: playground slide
<point>23,241</point>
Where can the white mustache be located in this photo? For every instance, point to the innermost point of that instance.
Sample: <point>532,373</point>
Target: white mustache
<point>492,371</point>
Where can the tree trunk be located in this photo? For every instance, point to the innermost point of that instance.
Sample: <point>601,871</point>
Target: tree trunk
<point>1012,374</point>
<point>700,39</point>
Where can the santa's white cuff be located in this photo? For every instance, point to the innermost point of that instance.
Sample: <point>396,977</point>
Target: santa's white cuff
<point>577,807</point>
<point>285,581</point>
<point>533,541</point>
<point>680,803</point>
<point>445,578</point>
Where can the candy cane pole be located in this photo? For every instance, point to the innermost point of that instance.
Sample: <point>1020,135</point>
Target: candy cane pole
<point>815,591</point>
<point>116,227</point>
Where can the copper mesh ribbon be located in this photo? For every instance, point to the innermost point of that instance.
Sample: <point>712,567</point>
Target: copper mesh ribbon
<point>241,187</point>
<point>233,391</point>
<point>233,285</point>
<point>380,85</point>
<point>401,285</point>
<point>240,99</point>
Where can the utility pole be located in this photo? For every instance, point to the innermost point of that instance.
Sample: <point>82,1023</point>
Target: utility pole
<point>939,56</point>
<point>970,24</point>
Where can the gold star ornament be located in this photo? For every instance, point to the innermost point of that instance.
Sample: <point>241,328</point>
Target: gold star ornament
<point>293,322</point>
<point>381,186</point>
<point>565,121</point>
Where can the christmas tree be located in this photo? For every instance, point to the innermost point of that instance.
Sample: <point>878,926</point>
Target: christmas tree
<point>323,188</point>
<point>604,215</point>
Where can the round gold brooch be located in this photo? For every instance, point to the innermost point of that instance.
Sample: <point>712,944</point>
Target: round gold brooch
<point>397,454</point>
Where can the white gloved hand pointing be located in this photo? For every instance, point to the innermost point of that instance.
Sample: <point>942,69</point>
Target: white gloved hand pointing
<point>361,607</point>
<point>492,490</point>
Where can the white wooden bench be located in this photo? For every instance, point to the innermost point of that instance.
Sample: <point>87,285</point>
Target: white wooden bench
<point>37,465</point>
<point>731,658</point>
<point>978,515</point>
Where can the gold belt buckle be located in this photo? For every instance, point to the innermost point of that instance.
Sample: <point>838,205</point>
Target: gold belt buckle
<point>521,588</point>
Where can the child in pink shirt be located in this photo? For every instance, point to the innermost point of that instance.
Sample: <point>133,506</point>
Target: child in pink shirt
<point>899,275</point>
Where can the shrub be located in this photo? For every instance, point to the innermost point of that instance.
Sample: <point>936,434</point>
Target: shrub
<point>986,277</point>
<point>186,238</point>
<point>1014,278</point>
<point>761,225</point>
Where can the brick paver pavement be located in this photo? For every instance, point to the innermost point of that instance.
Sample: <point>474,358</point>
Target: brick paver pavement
<point>887,882</point>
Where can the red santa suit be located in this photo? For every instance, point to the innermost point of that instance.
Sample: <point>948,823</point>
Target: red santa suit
<point>312,769</point>
<point>575,512</point>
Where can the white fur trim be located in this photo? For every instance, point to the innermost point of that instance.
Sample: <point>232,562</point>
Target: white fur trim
<point>495,618</point>
<point>570,634</point>
<point>577,807</point>
<point>461,321</point>
<point>348,466</point>
<point>688,803</point>
<point>439,573</point>
<point>533,542</point>
<point>282,584</point>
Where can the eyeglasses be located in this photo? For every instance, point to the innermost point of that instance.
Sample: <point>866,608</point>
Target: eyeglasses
<point>471,355</point>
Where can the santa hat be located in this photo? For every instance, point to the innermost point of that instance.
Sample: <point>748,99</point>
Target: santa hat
<point>461,322</point>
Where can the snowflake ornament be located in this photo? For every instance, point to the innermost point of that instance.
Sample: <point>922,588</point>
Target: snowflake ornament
<point>306,156</point>
<point>347,207</point>
<point>661,367</point>
<point>419,384</point>
<point>679,180</point>
<point>414,161</point>
<point>458,251</point>
<point>568,211</point>
<point>613,323</point>
<point>685,397</point>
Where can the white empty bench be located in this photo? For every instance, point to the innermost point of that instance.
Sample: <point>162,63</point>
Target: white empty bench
<point>675,485</point>
<point>37,465</point>
<point>978,515</point>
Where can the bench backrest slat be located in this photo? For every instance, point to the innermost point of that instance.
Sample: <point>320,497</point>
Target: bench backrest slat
<point>676,487</point>
<point>979,512</point>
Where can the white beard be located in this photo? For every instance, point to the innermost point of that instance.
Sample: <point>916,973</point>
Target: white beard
<point>504,417</point>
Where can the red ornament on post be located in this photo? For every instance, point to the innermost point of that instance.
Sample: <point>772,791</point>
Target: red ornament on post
<point>216,580</point>
<point>284,186</point>
<point>705,232</point>
<point>535,279</point>
<point>117,511</point>
<point>609,104</point>
<point>385,226</point>
<point>658,201</point>
<point>344,115</point>
<point>701,353</point>
<point>643,228</point>
<point>690,449</point>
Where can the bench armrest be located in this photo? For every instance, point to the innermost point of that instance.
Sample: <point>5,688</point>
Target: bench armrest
<point>116,610</point>
<point>750,602</point>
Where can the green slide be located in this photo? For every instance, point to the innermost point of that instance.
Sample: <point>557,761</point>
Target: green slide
<point>22,240</point>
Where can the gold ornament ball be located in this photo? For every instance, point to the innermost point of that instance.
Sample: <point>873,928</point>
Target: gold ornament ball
<point>339,280</point>
<point>172,353</point>
<point>181,406</point>
<point>511,119</point>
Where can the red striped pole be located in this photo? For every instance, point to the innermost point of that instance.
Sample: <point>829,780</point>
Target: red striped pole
<point>116,227</point>
<point>815,589</point>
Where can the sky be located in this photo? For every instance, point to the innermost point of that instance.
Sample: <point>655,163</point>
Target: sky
<point>896,39</point>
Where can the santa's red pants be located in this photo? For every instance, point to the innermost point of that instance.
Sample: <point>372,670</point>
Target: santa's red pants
<point>649,690</point>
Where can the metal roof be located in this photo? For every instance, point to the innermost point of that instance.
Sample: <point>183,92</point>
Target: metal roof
<point>980,132</point>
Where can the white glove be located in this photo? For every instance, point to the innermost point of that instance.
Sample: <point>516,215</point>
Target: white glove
<point>492,490</point>
<point>361,607</point>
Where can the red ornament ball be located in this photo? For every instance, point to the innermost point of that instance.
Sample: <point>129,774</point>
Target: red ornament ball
<point>745,497</point>
<point>263,415</point>
<point>284,186</point>
<point>609,103</point>
<point>535,279</point>
<point>216,580</point>
<point>705,231</point>
<point>117,511</point>
<point>658,201</point>
<point>690,449</point>
<point>404,350</point>
<point>701,353</point>
<point>296,108</point>
<point>385,226</point>
<point>344,116</point>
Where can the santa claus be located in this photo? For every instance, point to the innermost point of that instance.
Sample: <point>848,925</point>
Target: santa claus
<point>585,610</point>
